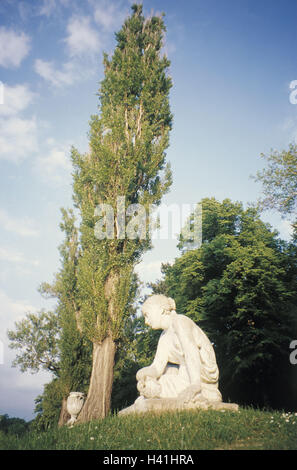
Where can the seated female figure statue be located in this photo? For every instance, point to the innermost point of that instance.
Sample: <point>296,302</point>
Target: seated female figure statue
<point>184,366</point>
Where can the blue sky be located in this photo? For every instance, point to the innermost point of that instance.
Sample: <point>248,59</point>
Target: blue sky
<point>232,62</point>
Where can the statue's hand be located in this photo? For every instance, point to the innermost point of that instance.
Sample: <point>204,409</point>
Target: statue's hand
<point>191,393</point>
<point>141,374</point>
<point>141,387</point>
<point>149,371</point>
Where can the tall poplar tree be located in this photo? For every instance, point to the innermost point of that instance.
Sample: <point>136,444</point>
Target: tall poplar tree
<point>125,168</point>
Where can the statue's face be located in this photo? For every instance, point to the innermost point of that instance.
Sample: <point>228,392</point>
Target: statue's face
<point>152,316</point>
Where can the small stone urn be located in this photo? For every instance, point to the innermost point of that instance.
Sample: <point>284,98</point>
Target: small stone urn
<point>75,403</point>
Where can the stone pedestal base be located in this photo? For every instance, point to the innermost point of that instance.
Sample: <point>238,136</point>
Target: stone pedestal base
<point>143,405</point>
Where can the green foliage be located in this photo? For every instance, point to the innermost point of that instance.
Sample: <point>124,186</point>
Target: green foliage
<point>15,426</point>
<point>75,349</point>
<point>126,159</point>
<point>76,359</point>
<point>240,286</point>
<point>48,406</point>
<point>279,181</point>
<point>36,337</point>
<point>135,350</point>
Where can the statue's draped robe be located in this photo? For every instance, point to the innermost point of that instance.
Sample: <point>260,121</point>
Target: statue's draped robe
<point>187,358</point>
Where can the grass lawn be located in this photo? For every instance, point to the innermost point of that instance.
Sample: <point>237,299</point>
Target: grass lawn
<point>246,429</point>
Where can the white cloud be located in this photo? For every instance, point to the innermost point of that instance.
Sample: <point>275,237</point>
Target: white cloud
<point>47,7</point>
<point>23,226</point>
<point>108,15</point>
<point>70,72</point>
<point>12,310</point>
<point>149,271</point>
<point>56,77</point>
<point>82,43</point>
<point>55,165</point>
<point>285,229</point>
<point>82,37</point>
<point>16,257</point>
<point>14,47</point>
<point>15,99</point>
<point>18,138</point>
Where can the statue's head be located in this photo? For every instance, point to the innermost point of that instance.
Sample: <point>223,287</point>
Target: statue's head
<point>156,310</point>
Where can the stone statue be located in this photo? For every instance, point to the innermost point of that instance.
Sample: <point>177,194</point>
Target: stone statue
<point>184,373</point>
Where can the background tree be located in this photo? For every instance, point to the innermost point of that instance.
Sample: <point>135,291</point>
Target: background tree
<point>16,426</point>
<point>279,180</point>
<point>52,340</point>
<point>75,349</point>
<point>240,287</point>
<point>36,337</point>
<point>48,406</point>
<point>128,139</point>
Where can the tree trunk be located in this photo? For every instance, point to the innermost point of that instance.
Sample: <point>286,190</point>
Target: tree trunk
<point>97,404</point>
<point>64,415</point>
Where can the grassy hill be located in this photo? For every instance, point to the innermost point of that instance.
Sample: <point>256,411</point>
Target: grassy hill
<point>186,430</point>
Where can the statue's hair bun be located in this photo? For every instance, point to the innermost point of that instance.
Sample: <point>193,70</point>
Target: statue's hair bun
<point>166,302</point>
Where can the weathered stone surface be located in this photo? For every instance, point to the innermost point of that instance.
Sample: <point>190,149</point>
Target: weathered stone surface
<point>75,402</point>
<point>184,373</point>
<point>143,405</point>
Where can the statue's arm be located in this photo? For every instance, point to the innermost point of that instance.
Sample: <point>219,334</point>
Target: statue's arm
<point>157,368</point>
<point>185,332</point>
